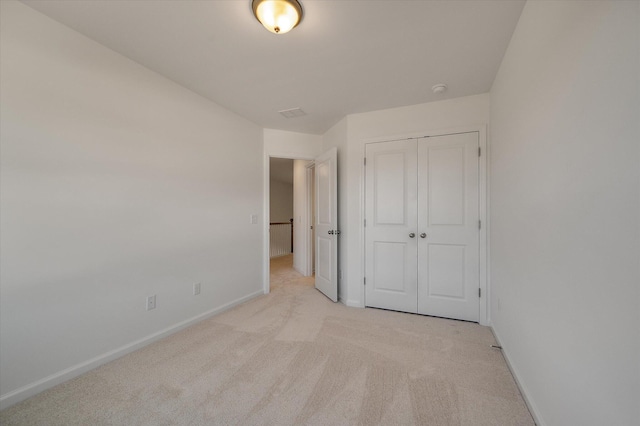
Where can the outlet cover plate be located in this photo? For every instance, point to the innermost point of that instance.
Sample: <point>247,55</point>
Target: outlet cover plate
<point>151,302</point>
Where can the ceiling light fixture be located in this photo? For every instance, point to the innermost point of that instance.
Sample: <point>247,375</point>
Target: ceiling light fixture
<point>278,16</point>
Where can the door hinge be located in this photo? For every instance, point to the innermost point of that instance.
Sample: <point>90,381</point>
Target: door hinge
<point>479,152</point>
<point>365,280</point>
<point>365,161</point>
<point>365,223</point>
<point>479,224</point>
<point>479,292</point>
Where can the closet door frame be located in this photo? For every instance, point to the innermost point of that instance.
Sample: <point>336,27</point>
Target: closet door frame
<point>483,207</point>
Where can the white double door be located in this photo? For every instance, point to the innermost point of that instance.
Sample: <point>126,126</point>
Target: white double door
<point>422,226</point>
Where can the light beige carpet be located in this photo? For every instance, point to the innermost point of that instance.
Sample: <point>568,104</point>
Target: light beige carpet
<point>295,358</point>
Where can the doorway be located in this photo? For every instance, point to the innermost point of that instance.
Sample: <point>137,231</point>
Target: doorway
<point>290,197</point>
<point>281,195</point>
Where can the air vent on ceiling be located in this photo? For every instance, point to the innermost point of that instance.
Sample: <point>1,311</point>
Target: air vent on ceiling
<point>292,113</point>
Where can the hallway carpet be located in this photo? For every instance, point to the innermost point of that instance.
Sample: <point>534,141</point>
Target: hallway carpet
<point>295,358</point>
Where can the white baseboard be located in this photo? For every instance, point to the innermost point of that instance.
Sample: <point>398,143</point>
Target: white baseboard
<point>34,388</point>
<point>533,409</point>
<point>354,304</point>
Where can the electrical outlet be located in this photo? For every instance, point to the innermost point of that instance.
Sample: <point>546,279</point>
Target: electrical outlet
<point>253,219</point>
<point>151,302</point>
<point>196,289</point>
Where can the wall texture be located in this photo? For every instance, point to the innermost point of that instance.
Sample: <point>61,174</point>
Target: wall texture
<point>280,200</point>
<point>302,235</point>
<point>280,143</point>
<point>116,184</point>
<point>565,210</point>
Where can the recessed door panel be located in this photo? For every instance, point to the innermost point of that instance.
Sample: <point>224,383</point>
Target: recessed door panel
<point>389,266</point>
<point>390,189</point>
<point>446,271</point>
<point>325,262</point>
<point>446,169</point>
<point>323,176</point>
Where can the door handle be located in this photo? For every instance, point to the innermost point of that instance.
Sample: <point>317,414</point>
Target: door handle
<point>411,235</point>
<point>423,235</point>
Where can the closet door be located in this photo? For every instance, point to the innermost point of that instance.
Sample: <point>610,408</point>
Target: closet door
<point>448,226</point>
<point>390,228</point>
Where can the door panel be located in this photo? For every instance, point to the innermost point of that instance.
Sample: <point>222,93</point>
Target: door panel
<point>446,272</point>
<point>390,189</point>
<point>448,213</point>
<point>326,217</point>
<point>389,259</point>
<point>446,186</point>
<point>325,263</point>
<point>323,177</point>
<point>391,215</point>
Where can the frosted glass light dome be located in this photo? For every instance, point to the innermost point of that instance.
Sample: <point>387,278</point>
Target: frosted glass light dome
<point>278,16</point>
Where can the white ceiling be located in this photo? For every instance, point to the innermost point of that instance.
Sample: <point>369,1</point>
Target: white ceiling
<point>345,57</point>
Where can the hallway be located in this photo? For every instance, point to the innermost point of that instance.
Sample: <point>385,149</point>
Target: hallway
<point>283,275</point>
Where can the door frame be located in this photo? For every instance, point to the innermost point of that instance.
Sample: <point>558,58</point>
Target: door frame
<point>266,265</point>
<point>309,205</point>
<point>483,206</point>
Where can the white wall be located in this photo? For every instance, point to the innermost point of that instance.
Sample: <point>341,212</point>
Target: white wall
<point>281,201</point>
<point>565,188</point>
<point>351,135</point>
<point>116,184</point>
<point>300,214</point>
<point>283,144</point>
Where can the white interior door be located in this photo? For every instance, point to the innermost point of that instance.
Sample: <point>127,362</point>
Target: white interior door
<point>326,223</point>
<point>391,225</point>
<point>448,226</point>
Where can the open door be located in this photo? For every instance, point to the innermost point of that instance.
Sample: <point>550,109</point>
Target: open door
<point>326,226</point>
